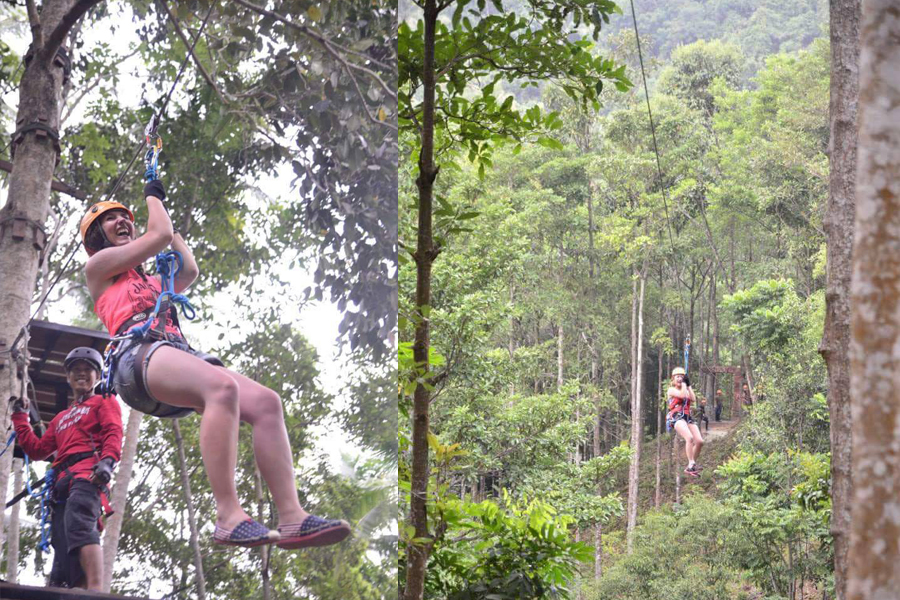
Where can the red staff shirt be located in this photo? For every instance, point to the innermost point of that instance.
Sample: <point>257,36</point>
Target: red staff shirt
<point>94,425</point>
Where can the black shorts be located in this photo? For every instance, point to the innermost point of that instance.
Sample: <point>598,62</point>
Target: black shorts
<point>131,375</point>
<point>674,418</point>
<point>73,525</point>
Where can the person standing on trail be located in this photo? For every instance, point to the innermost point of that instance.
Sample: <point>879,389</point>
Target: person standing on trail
<point>702,418</point>
<point>87,440</point>
<point>680,396</point>
<point>718,405</point>
<point>156,371</point>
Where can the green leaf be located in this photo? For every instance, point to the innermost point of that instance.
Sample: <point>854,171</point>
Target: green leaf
<point>314,13</point>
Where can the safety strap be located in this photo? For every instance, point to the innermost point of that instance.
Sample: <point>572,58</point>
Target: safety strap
<point>42,131</point>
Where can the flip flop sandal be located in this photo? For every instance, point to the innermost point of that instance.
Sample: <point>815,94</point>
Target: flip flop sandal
<point>247,534</point>
<point>692,472</point>
<point>312,531</point>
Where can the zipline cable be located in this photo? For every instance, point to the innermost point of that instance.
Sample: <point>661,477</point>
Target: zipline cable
<point>662,182</point>
<point>154,122</point>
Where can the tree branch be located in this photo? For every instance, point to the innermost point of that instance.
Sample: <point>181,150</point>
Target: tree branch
<point>328,45</point>
<point>197,62</point>
<point>62,30</point>
<point>35,21</point>
<point>362,97</point>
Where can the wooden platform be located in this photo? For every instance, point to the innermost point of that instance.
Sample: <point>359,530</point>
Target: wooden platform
<point>10,591</point>
<point>48,345</point>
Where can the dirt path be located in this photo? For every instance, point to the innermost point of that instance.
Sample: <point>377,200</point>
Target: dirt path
<point>718,430</point>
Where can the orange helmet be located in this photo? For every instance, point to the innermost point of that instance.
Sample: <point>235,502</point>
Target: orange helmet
<point>96,211</point>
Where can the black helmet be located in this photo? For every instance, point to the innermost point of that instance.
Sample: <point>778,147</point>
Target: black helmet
<point>87,354</point>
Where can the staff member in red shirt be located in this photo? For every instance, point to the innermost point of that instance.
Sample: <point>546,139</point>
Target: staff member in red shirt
<point>87,439</point>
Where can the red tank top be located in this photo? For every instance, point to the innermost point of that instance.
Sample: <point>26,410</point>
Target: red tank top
<point>129,295</point>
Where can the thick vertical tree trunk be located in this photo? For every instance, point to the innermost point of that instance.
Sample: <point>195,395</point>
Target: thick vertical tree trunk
<point>598,555</point>
<point>637,428</point>
<point>838,224</point>
<point>417,552</point>
<point>119,496</point>
<point>22,238</point>
<point>192,517</point>
<point>12,546</point>
<point>874,551</point>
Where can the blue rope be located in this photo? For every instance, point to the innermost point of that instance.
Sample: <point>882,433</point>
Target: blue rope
<point>687,355</point>
<point>9,442</point>
<point>44,495</point>
<point>168,264</point>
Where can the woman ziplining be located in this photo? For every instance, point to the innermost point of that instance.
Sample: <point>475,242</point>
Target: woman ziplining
<point>157,372</point>
<point>680,396</point>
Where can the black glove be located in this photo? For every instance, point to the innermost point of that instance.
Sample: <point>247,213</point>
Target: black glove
<point>687,382</point>
<point>103,470</point>
<point>18,405</point>
<point>155,188</point>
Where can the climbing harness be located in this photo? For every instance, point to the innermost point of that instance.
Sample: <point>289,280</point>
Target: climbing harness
<point>42,491</point>
<point>168,264</point>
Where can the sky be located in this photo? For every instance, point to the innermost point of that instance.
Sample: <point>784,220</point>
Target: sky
<point>317,321</point>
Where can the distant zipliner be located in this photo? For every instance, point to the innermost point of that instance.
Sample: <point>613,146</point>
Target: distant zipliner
<point>680,396</point>
<point>153,369</point>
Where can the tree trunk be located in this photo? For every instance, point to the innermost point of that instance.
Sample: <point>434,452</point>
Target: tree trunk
<point>28,204</point>
<point>417,552</point>
<point>265,550</point>
<point>192,518</point>
<point>595,380</point>
<point>598,554</point>
<point>590,208</point>
<point>675,455</point>
<point>838,225</point>
<point>560,342</point>
<point>512,337</point>
<point>874,551</point>
<point>12,547</point>
<point>657,498</point>
<point>560,333</point>
<point>637,429</point>
<point>748,373</point>
<point>119,496</point>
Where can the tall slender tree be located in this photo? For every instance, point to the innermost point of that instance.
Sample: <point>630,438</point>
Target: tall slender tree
<point>838,225</point>
<point>477,44</point>
<point>874,551</point>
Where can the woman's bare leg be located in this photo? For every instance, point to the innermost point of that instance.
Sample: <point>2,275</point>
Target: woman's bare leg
<point>681,428</point>
<point>698,440</point>
<point>262,409</point>
<point>181,379</point>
